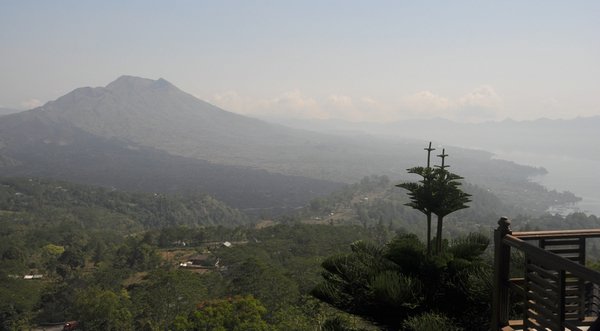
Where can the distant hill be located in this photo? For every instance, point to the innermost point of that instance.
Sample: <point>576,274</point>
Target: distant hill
<point>154,113</point>
<point>565,137</point>
<point>6,111</point>
<point>49,203</point>
<point>375,201</point>
<point>55,150</point>
<point>570,137</point>
<point>142,134</point>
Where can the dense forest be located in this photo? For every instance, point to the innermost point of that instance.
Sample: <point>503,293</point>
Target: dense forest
<point>116,260</point>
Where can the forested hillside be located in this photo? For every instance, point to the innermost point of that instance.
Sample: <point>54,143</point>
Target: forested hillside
<point>30,147</point>
<point>35,201</point>
<point>35,213</point>
<point>376,201</point>
<point>112,282</point>
<point>111,259</point>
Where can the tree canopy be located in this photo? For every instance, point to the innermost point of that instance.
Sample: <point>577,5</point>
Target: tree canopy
<point>438,192</point>
<point>395,283</point>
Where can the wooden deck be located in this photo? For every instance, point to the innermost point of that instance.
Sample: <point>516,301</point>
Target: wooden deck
<point>551,287</point>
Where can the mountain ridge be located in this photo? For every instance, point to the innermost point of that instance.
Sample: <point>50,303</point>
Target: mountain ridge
<point>556,136</point>
<point>150,128</point>
<point>71,154</point>
<point>130,107</point>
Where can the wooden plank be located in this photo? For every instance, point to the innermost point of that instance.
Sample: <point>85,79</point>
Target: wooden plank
<point>519,290</point>
<point>543,282</point>
<point>588,320</point>
<point>555,278</point>
<point>500,292</point>
<point>563,251</point>
<point>532,324</point>
<point>545,301</point>
<point>587,233</point>
<point>572,326</point>
<point>553,261</point>
<point>529,326</point>
<point>572,308</point>
<point>561,296</point>
<point>549,246</point>
<point>572,300</point>
<point>573,317</point>
<point>561,241</point>
<point>574,284</point>
<point>571,277</point>
<point>582,254</point>
<point>549,313</point>
<point>552,295</point>
<point>548,325</point>
<point>541,323</point>
<point>572,256</point>
<point>543,272</point>
<point>515,323</point>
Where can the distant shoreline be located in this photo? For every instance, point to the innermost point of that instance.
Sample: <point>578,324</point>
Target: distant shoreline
<point>565,173</point>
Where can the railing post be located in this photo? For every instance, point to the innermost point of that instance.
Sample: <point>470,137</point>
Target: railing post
<point>501,274</point>
<point>561,297</point>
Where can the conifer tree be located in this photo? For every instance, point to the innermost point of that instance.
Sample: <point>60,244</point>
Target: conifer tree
<point>420,193</point>
<point>448,198</point>
<point>438,192</point>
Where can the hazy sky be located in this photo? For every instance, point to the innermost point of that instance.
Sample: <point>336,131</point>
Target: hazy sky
<point>367,60</point>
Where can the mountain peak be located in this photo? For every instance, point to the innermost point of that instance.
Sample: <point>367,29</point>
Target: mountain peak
<point>126,82</point>
<point>162,82</point>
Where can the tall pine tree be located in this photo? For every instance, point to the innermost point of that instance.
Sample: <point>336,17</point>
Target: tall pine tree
<point>438,192</point>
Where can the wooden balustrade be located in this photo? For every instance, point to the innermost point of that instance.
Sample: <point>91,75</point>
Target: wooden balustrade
<point>556,290</point>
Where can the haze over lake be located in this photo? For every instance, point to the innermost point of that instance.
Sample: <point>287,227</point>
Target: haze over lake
<point>565,173</point>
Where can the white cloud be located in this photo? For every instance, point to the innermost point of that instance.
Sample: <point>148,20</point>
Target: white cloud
<point>228,100</point>
<point>425,103</point>
<point>482,97</point>
<point>370,102</point>
<point>31,103</point>
<point>292,100</point>
<point>360,109</point>
<point>481,103</point>
<point>289,104</point>
<point>341,101</point>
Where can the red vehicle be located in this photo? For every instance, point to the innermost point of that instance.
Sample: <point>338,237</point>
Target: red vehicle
<point>71,326</point>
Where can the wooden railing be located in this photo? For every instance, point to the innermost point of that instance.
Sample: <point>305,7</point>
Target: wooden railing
<point>556,290</point>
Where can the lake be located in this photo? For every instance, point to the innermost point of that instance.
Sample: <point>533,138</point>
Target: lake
<point>580,176</point>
